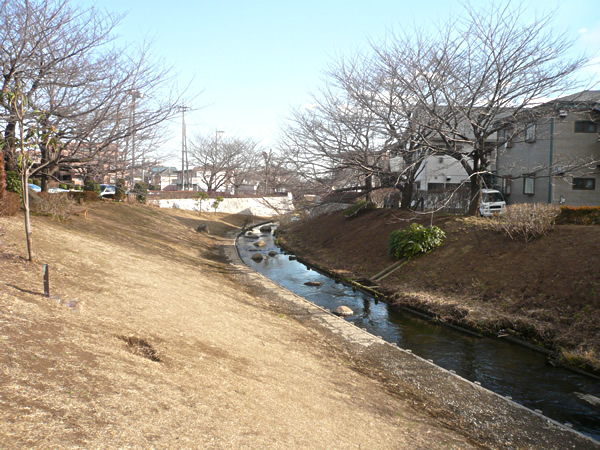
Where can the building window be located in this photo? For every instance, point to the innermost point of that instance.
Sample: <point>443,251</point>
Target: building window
<point>506,186</point>
<point>435,186</point>
<point>585,126</point>
<point>530,132</point>
<point>528,185</point>
<point>584,184</point>
<point>506,135</point>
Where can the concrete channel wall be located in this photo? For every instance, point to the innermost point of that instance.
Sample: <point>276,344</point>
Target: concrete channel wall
<point>260,206</point>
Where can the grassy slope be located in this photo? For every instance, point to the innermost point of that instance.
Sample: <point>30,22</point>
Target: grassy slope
<point>547,291</point>
<point>233,371</point>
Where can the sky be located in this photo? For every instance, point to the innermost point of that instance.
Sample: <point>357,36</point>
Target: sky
<point>249,63</point>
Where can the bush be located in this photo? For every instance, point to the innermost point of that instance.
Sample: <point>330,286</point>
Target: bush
<point>84,196</point>
<point>63,186</point>
<point>359,207</point>
<point>58,206</point>
<point>527,220</point>
<point>91,186</point>
<point>579,215</point>
<point>141,192</point>
<point>9,205</point>
<point>413,240</point>
<point>13,183</point>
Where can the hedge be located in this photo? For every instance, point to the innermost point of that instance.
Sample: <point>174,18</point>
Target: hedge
<point>579,215</point>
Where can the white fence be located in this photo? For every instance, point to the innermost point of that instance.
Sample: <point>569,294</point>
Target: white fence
<point>261,206</point>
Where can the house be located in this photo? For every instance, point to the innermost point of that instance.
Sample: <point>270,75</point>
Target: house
<point>164,178</point>
<point>196,180</point>
<point>556,157</point>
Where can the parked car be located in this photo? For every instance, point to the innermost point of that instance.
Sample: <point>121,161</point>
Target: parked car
<point>56,190</point>
<point>492,202</point>
<point>107,190</point>
<point>34,187</point>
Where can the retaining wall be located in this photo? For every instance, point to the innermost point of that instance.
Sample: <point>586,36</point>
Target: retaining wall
<point>261,206</point>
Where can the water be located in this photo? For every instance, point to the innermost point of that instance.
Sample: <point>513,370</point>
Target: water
<point>507,369</point>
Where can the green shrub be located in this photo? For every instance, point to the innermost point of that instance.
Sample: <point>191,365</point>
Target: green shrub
<point>91,186</point>
<point>579,215</point>
<point>13,182</point>
<point>141,192</point>
<point>9,205</point>
<point>63,186</point>
<point>526,220</point>
<point>413,240</point>
<point>359,206</point>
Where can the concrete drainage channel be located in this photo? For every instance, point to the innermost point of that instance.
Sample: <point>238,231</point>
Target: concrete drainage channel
<point>490,418</point>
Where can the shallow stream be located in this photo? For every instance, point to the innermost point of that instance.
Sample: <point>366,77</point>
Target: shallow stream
<point>507,369</point>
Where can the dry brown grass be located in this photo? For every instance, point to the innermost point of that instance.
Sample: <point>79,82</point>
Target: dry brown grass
<point>526,220</point>
<point>133,285</point>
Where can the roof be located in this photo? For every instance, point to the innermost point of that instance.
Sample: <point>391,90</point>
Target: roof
<point>580,97</point>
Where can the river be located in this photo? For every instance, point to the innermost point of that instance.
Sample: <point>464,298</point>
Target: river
<point>505,368</point>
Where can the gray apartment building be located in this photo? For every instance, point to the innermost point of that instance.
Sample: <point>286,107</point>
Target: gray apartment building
<point>553,156</point>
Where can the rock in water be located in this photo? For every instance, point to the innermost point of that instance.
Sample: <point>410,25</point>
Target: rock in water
<point>265,228</point>
<point>313,283</point>
<point>273,253</point>
<point>258,257</point>
<point>260,243</point>
<point>343,311</point>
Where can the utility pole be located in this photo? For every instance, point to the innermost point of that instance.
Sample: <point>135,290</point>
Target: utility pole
<point>185,182</point>
<point>135,94</point>
<point>217,133</point>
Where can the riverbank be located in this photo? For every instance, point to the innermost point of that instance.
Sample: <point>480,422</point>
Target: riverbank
<point>153,339</point>
<point>546,292</point>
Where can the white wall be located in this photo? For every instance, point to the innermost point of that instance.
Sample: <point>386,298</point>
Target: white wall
<point>262,206</point>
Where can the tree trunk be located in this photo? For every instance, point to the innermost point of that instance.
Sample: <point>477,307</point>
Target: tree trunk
<point>2,176</point>
<point>24,182</point>
<point>407,192</point>
<point>475,194</point>
<point>369,186</point>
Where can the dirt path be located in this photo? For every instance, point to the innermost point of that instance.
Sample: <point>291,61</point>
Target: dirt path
<point>152,340</point>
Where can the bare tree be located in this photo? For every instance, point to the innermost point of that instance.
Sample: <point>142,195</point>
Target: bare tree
<point>222,160</point>
<point>336,143</point>
<point>78,83</point>
<point>481,74</point>
<point>364,131</point>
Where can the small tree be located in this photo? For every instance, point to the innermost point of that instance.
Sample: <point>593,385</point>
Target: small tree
<point>200,197</point>
<point>217,202</point>
<point>30,133</point>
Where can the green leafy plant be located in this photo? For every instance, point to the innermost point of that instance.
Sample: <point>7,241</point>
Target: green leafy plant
<point>359,206</point>
<point>13,182</point>
<point>413,240</point>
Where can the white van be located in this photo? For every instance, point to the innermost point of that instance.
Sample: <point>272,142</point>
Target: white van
<point>492,202</point>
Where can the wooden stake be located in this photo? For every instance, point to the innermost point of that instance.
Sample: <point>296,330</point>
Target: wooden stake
<point>46,281</point>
